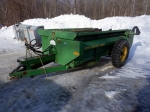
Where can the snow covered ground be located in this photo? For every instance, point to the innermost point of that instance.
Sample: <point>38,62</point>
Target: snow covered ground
<point>102,88</point>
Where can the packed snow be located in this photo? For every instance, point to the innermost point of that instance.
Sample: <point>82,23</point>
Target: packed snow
<point>98,89</point>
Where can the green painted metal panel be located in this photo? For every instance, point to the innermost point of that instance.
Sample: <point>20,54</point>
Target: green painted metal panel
<point>130,35</point>
<point>101,42</point>
<point>45,43</point>
<point>67,51</point>
<point>65,35</point>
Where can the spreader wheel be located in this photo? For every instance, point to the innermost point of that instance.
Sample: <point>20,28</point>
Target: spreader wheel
<point>120,53</point>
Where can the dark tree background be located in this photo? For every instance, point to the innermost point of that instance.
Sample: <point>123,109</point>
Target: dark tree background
<point>14,11</point>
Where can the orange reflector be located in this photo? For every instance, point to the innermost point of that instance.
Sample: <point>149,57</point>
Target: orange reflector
<point>76,53</point>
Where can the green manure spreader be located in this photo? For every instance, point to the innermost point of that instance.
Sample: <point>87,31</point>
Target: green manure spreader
<point>70,48</point>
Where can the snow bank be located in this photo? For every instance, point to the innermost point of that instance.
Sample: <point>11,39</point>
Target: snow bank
<point>7,32</point>
<point>8,42</point>
<point>63,21</point>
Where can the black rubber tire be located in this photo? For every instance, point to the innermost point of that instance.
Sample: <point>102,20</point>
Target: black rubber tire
<point>117,52</point>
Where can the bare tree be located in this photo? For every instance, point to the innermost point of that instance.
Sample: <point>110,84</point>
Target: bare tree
<point>13,11</point>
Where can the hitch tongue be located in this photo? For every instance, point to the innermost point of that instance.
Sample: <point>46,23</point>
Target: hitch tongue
<point>17,68</point>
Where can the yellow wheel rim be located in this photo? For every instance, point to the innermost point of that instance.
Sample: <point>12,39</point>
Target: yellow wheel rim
<point>123,54</point>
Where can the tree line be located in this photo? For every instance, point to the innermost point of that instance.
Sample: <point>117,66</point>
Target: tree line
<point>14,11</point>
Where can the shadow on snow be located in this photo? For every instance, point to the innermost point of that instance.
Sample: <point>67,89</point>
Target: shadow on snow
<point>133,49</point>
<point>143,97</point>
<point>28,95</point>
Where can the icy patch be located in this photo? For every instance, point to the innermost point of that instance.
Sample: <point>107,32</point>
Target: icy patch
<point>111,94</point>
<point>106,68</point>
<point>109,77</point>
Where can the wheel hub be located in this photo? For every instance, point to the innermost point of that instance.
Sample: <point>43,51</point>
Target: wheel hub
<point>123,54</point>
